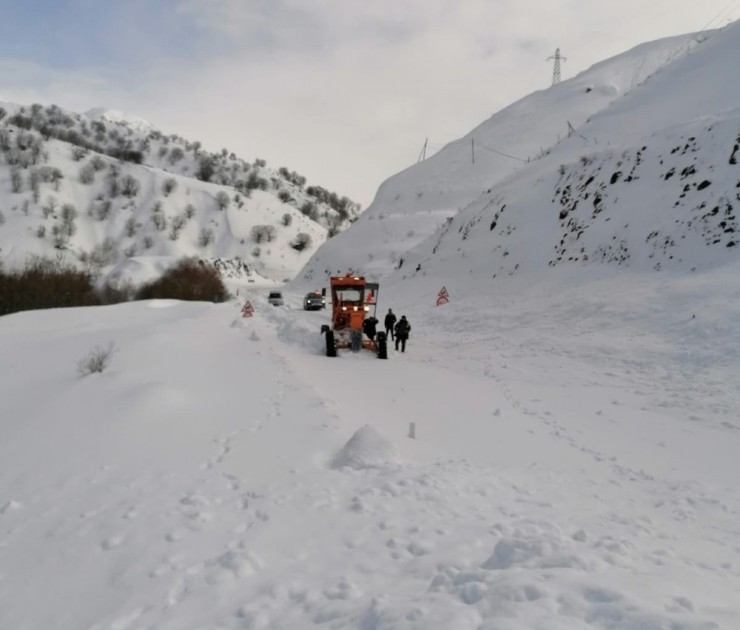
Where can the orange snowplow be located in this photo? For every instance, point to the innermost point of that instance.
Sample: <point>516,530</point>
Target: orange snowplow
<point>352,323</point>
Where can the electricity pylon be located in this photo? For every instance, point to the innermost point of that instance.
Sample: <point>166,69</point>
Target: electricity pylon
<point>556,66</point>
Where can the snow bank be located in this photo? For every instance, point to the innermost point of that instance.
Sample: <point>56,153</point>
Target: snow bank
<point>365,449</point>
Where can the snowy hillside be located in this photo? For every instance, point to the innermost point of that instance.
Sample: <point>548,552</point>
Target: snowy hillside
<point>108,190</point>
<point>650,183</point>
<point>410,206</point>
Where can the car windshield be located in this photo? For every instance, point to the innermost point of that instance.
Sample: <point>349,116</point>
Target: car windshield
<point>276,295</point>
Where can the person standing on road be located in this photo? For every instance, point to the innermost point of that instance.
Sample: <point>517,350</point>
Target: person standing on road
<point>403,328</point>
<point>369,327</point>
<point>390,323</point>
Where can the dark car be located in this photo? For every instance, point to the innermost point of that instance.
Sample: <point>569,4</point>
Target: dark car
<point>275,298</point>
<point>314,301</point>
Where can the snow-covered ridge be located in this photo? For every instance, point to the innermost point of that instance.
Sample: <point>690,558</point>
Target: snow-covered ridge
<point>102,188</point>
<point>118,117</point>
<point>651,183</point>
<point>410,206</point>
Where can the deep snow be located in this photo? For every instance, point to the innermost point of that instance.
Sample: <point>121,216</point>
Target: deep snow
<point>574,466</point>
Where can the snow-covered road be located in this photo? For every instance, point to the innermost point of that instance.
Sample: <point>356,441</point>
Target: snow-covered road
<point>574,466</point>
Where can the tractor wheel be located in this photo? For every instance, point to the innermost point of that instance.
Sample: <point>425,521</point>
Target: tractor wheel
<point>331,348</point>
<point>382,346</point>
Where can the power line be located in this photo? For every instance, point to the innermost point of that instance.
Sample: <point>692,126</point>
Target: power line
<point>721,15</point>
<point>502,153</point>
<point>475,144</point>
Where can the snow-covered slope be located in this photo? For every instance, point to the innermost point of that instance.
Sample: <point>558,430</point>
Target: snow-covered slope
<point>108,190</point>
<point>411,205</point>
<point>651,182</point>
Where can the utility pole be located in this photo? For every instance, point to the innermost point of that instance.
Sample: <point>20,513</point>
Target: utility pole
<point>556,66</point>
<point>472,148</point>
<point>423,154</point>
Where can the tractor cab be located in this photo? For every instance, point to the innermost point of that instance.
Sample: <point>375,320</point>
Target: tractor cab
<point>352,300</point>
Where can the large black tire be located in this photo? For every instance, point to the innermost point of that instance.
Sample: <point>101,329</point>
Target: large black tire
<point>382,345</point>
<point>331,348</point>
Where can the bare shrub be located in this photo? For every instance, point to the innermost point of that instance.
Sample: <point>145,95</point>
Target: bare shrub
<point>206,237</point>
<point>301,241</point>
<point>131,227</point>
<point>190,279</point>
<point>87,174</point>
<point>130,186</point>
<point>287,219</point>
<point>115,294</point>
<point>206,168</point>
<point>45,283</point>
<point>97,360</point>
<point>254,181</point>
<point>34,183</point>
<point>262,233</point>
<point>169,185</point>
<point>176,226</point>
<point>160,221</point>
<point>310,210</point>
<point>50,207</point>
<point>67,219</point>
<point>222,200</point>
<point>16,180</point>
<point>176,155</point>
<point>59,238</point>
<point>98,163</point>
<point>103,210</point>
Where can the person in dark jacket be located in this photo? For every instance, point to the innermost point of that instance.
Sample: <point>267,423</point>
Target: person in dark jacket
<point>369,327</point>
<point>403,328</point>
<point>390,323</point>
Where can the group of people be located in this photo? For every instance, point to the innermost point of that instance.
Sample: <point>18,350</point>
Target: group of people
<point>396,329</point>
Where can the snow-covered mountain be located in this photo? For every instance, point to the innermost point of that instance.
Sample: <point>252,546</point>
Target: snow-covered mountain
<point>632,162</point>
<point>109,190</point>
<point>556,449</point>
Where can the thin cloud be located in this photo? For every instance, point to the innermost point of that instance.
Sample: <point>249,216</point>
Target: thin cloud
<point>343,91</point>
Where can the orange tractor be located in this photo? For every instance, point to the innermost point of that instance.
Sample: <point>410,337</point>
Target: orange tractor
<point>352,325</point>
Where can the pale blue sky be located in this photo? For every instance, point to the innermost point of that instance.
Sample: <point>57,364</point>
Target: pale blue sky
<point>118,34</point>
<point>342,91</point>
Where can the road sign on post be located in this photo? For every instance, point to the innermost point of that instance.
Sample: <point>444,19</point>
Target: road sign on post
<point>247,309</point>
<point>443,297</point>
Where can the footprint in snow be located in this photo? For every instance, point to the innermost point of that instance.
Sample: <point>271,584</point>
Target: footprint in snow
<point>111,543</point>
